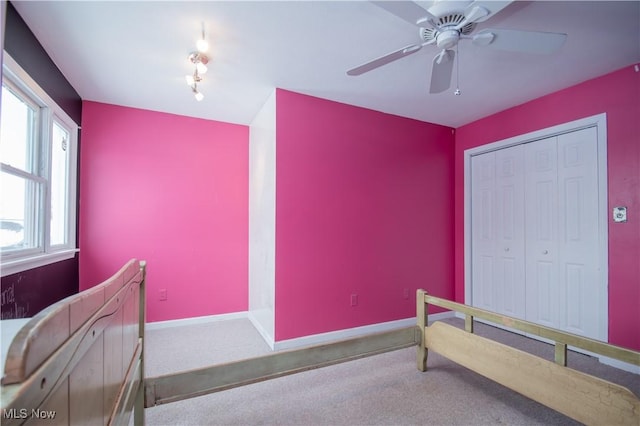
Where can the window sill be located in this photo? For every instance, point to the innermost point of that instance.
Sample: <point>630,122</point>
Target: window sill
<point>26,263</point>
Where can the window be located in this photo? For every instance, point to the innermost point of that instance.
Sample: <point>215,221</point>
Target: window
<point>38,151</point>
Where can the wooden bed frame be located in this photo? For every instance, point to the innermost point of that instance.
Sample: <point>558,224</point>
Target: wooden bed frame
<point>585,398</point>
<point>80,361</point>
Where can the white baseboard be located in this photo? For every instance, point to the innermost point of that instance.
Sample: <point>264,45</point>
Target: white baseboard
<point>635,369</point>
<point>265,335</point>
<point>195,320</point>
<point>349,333</point>
<point>314,339</point>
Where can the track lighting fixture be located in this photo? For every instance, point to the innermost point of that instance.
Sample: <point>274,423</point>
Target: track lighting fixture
<point>199,60</point>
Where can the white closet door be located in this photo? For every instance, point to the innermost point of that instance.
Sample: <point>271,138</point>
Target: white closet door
<point>578,234</point>
<point>498,231</point>
<point>541,206</point>
<point>536,243</point>
<point>510,241</point>
<point>483,235</point>
<point>562,232</point>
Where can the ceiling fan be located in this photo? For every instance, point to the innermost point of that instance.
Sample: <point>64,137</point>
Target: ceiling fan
<point>447,22</point>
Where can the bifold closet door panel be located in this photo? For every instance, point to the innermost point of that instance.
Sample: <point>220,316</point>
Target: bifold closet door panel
<point>578,231</point>
<point>483,223</point>
<point>498,231</point>
<point>561,192</point>
<point>510,236</point>
<point>534,232</point>
<point>541,232</point>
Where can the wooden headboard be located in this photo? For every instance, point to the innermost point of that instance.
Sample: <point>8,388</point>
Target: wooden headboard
<point>80,361</point>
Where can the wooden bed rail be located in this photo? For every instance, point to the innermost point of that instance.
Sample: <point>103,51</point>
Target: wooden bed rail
<point>562,339</point>
<point>578,395</point>
<point>192,383</point>
<point>80,361</point>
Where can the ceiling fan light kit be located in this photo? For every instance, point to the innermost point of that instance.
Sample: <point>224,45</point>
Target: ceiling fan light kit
<point>199,59</point>
<point>445,23</point>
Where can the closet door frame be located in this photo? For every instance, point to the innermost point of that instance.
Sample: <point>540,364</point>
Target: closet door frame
<point>598,121</point>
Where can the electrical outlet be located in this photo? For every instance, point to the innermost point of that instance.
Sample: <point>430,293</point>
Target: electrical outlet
<point>354,300</point>
<point>162,294</point>
<point>405,293</point>
<point>619,214</point>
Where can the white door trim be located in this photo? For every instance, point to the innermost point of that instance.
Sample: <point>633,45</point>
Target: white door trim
<point>598,121</point>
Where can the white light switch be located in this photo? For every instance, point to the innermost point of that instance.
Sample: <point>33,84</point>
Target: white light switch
<point>619,214</point>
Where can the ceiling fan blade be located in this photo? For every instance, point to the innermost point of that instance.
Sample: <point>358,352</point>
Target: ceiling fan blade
<point>441,71</point>
<point>520,41</point>
<point>491,6</point>
<point>383,60</point>
<point>408,11</point>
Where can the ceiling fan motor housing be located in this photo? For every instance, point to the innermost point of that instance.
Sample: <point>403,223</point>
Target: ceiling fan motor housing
<point>446,35</point>
<point>447,39</point>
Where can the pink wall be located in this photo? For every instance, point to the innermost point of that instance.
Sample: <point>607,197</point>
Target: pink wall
<point>617,94</point>
<point>173,191</point>
<point>363,206</point>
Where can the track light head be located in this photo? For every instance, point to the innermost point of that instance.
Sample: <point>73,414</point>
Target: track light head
<point>202,45</point>
<point>200,61</point>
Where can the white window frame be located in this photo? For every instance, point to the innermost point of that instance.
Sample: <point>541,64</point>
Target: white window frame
<point>22,260</point>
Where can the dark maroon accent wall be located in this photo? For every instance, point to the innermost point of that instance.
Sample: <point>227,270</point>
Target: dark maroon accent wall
<point>26,293</point>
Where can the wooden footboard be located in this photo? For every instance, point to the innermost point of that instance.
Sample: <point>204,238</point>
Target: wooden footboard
<point>80,361</point>
<point>585,398</point>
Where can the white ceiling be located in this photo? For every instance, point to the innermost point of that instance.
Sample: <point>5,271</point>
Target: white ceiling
<point>135,54</point>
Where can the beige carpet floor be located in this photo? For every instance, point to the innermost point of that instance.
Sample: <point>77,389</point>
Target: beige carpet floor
<point>385,389</point>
